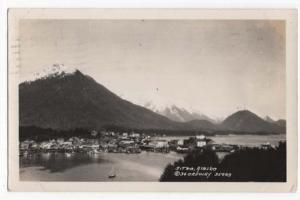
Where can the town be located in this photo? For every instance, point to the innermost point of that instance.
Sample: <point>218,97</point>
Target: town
<point>130,143</point>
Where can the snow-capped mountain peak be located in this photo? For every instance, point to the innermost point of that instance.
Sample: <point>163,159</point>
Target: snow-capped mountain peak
<point>56,70</point>
<point>269,119</point>
<point>177,113</point>
<point>158,103</point>
<point>160,107</point>
<point>174,109</point>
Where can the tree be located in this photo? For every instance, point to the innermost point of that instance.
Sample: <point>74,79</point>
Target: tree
<point>250,164</point>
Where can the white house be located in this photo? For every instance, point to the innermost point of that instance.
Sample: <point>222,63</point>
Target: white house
<point>180,142</point>
<point>201,143</point>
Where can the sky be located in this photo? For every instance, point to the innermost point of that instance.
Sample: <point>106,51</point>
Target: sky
<point>213,66</point>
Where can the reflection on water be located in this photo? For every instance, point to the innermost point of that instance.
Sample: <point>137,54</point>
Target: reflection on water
<point>146,166</point>
<point>58,162</point>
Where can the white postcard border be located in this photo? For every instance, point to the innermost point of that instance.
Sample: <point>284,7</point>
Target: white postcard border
<point>289,15</point>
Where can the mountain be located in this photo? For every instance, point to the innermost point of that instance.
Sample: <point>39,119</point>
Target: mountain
<point>66,100</point>
<point>246,121</point>
<point>73,100</point>
<point>56,70</point>
<point>198,124</point>
<point>176,113</point>
<point>269,119</point>
<point>281,123</point>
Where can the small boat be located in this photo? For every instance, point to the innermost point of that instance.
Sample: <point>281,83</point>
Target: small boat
<point>112,173</point>
<point>112,176</point>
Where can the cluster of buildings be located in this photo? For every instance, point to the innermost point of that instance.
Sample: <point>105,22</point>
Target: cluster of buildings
<point>114,142</point>
<point>123,143</point>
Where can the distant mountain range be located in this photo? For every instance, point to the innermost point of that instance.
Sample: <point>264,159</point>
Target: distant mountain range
<point>268,119</point>
<point>69,101</point>
<point>176,113</point>
<point>65,101</point>
<point>247,121</point>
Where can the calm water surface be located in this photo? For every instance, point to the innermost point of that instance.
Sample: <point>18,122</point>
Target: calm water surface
<point>247,140</point>
<point>146,166</point>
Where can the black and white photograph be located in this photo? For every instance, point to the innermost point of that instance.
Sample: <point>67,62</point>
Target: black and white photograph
<point>151,100</point>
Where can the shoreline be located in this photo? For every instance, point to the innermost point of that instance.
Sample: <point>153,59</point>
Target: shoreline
<point>146,166</point>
